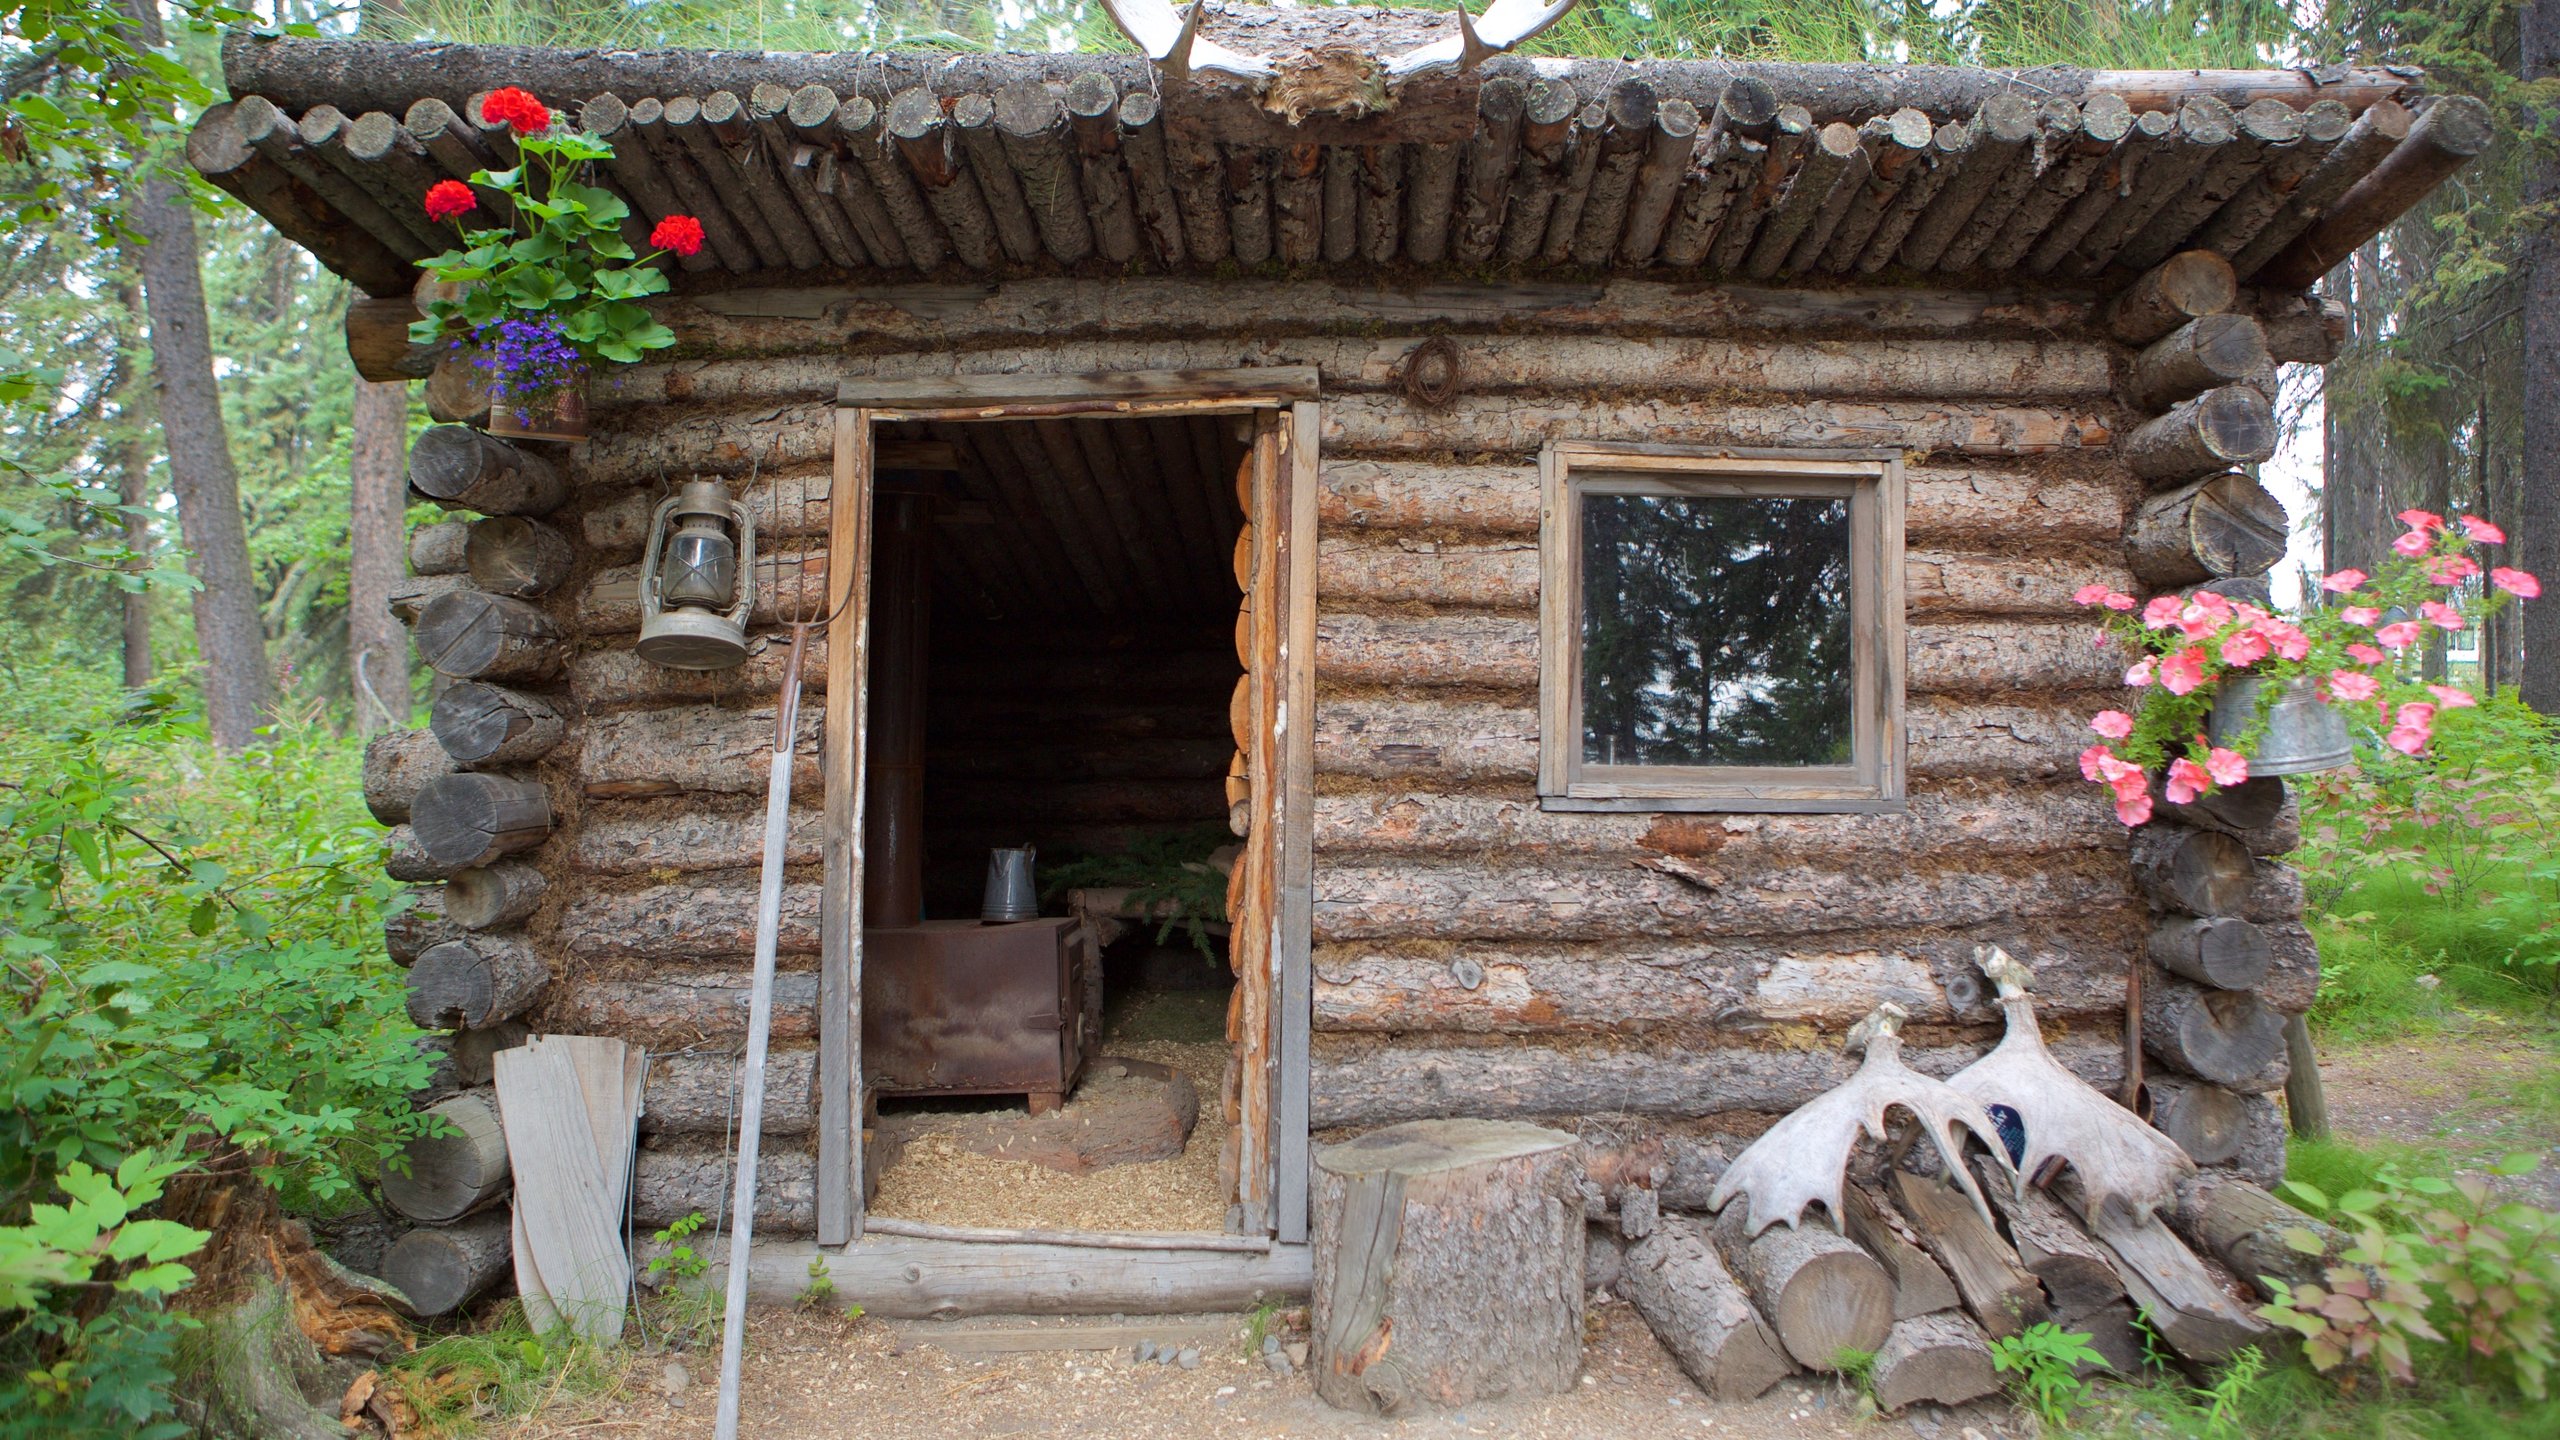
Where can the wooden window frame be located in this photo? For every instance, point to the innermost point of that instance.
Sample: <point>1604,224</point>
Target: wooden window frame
<point>1873,781</point>
<point>1278,864</point>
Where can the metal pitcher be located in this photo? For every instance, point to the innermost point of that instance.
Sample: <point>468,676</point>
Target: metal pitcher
<point>2302,734</point>
<point>1011,895</point>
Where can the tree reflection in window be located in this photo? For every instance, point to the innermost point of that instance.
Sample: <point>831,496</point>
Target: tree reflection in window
<point>1715,630</point>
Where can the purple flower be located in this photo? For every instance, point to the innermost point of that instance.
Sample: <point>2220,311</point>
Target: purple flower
<point>527,361</point>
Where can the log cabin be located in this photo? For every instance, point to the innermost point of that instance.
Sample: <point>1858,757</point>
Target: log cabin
<point>1597,538</point>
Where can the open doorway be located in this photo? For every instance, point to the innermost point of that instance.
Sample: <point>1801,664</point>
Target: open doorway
<point>1057,662</point>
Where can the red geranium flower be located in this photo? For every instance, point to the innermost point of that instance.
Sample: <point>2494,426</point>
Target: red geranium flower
<point>680,233</point>
<point>511,106</point>
<point>449,198</point>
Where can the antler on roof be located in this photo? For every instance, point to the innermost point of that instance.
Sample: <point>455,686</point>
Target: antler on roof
<point>1172,38</point>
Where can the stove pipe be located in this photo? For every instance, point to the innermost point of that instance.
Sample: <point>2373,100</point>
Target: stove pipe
<point>901,581</point>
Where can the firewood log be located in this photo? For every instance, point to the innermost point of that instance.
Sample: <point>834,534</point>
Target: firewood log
<point>438,549</point>
<point>2254,1233</point>
<point>441,1268</point>
<point>1821,1293</point>
<point>2177,1294</point>
<point>2206,1120</point>
<point>2225,525</point>
<point>1941,1359</point>
<point>1920,1287</point>
<point>1699,1312</point>
<point>1995,1287</point>
<point>470,635</point>
<point>439,1179</point>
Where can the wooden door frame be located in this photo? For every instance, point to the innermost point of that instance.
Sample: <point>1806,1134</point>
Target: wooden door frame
<point>1278,863</point>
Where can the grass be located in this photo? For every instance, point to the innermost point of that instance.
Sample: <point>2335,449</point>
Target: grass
<point>2395,959</point>
<point>467,1384</point>
<point>2291,1402</point>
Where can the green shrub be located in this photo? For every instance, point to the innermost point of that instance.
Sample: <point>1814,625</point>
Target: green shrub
<point>2046,1361</point>
<point>191,961</point>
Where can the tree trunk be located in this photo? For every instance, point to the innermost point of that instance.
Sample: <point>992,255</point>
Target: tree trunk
<point>2538,481</point>
<point>239,691</point>
<point>133,491</point>
<point>377,645</point>
<point>1414,1227</point>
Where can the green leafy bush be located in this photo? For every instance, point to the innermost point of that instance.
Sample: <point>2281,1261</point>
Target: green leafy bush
<point>2046,1360</point>
<point>2434,1262</point>
<point>191,961</point>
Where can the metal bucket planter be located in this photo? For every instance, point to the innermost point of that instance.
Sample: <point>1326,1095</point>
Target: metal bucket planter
<point>2302,735</point>
<point>561,415</point>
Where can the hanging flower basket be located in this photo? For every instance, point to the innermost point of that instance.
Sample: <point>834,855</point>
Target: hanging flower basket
<point>2303,734</point>
<point>538,304</point>
<point>2225,690</point>
<point>560,415</point>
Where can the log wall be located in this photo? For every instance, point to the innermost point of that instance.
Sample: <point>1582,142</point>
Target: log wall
<point>1473,954</point>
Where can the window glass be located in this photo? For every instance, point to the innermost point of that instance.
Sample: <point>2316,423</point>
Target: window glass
<point>1715,630</point>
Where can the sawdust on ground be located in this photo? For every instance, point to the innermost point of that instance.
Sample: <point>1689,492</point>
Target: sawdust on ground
<point>937,1182</point>
<point>808,1377</point>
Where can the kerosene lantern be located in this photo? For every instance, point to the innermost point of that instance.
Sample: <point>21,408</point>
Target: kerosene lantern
<point>697,581</point>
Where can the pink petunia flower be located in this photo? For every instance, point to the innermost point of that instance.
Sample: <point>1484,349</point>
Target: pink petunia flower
<point>2516,582</point>
<point>2441,615</point>
<point>2093,761</point>
<point>2398,635</point>
<point>2089,595</point>
<point>2142,671</point>
<point>2414,544</point>
<point>2181,673</point>
<point>2353,685</point>
<point>2286,638</point>
<point>2451,569</point>
<point>2421,520</point>
<point>2412,727</point>
<point>2114,724</point>
<point>2118,600</point>
<point>2366,653</point>
<point>2360,614</point>
<point>2344,581</point>
<point>2482,531</point>
<point>2242,648</point>
<point>2187,780</point>
<point>2227,767</point>
<point>2162,612</point>
<point>2453,697</point>
<point>2134,811</point>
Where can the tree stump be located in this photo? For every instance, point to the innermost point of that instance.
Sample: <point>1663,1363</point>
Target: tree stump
<point>1697,1310</point>
<point>1448,1265</point>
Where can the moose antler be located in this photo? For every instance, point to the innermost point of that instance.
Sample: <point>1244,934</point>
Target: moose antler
<point>1506,23</point>
<point>1173,41</point>
<point>1802,1158</point>
<point>1172,38</point>
<point>2126,1167</point>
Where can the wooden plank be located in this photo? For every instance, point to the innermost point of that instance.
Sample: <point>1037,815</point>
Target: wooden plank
<point>903,1279</point>
<point>560,1186</point>
<point>1030,1337</point>
<point>1919,1286</point>
<point>1135,390</point>
<point>1293,924</point>
<point>1256,1055</point>
<point>840,913</point>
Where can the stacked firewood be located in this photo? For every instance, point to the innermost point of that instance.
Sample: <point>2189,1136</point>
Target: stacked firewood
<point>1914,1281</point>
<point>2229,958</point>
<point>465,803</point>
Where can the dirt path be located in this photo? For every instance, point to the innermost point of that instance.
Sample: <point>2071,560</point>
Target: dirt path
<point>809,1377</point>
<point>2474,1092</point>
